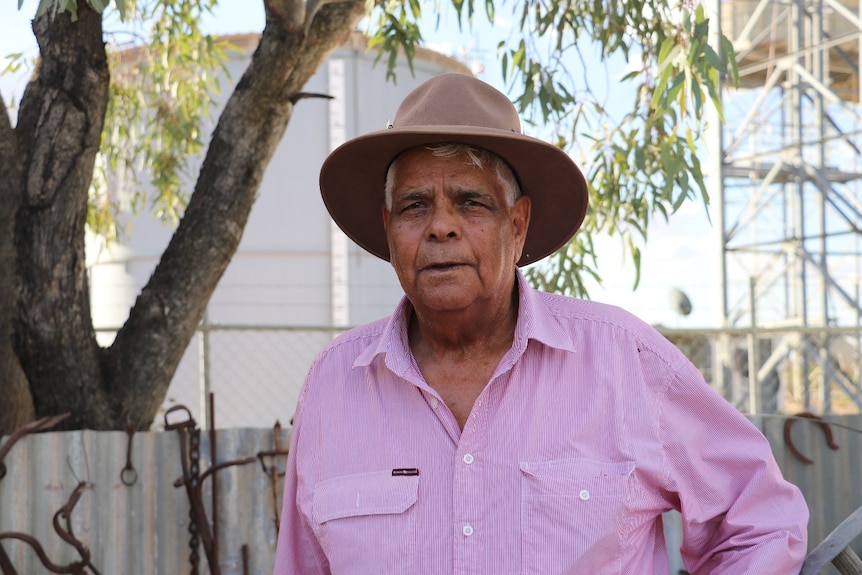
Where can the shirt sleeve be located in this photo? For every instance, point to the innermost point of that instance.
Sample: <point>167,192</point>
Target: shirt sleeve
<point>739,515</point>
<point>297,550</point>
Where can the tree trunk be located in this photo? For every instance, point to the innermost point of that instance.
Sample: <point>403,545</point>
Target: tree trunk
<point>59,129</point>
<point>17,402</point>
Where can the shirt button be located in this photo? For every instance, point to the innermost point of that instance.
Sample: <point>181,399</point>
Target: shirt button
<point>467,530</point>
<point>468,459</point>
<point>434,403</point>
<point>584,494</point>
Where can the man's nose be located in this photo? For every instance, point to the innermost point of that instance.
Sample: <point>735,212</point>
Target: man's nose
<point>443,223</point>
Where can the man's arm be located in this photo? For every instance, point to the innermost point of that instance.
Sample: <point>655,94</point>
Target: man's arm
<point>297,551</point>
<point>738,513</point>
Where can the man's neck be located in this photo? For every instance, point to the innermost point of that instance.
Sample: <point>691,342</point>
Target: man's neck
<point>479,329</point>
<point>458,353</point>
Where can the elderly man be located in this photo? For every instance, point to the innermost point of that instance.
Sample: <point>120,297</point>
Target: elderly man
<point>489,428</point>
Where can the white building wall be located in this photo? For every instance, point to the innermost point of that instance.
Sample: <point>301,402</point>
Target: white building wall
<point>281,274</point>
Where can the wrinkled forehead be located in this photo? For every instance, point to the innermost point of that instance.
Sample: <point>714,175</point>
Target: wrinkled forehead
<point>451,168</point>
<point>479,157</point>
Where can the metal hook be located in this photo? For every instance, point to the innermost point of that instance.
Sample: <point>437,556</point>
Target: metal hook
<point>189,421</point>
<point>788,437</point>
<point>128,475</point>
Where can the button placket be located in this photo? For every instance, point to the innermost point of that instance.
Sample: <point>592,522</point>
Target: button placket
<point>469,488</point>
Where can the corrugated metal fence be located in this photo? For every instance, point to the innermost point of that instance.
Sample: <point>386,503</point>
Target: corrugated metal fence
<point>831,482</point>
<point>143,527</point>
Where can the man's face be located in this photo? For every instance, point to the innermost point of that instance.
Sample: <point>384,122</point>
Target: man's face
<point>453,239</point>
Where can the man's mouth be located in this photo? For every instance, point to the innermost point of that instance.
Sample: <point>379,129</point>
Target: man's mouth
<point>442,266</point>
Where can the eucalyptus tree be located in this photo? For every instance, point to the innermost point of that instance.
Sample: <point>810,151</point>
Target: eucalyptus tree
<point>119,89</point>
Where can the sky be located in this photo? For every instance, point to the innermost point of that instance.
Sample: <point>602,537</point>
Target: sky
<point>680,255</point>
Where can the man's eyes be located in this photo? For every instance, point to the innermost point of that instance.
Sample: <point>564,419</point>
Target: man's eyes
<point>409,207</point>
<point>465,202</point>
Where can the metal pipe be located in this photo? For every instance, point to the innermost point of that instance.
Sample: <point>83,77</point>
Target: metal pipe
<point>213,462</point>
<point>754,394</point>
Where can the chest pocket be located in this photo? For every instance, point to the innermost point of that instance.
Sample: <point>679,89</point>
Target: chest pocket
<point>571,515</point>
<point>364,523</point>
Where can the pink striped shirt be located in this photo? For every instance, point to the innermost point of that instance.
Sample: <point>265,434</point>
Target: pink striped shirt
<point>591,427</point>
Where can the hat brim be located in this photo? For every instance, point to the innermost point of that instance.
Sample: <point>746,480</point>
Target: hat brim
<point>352,183</point>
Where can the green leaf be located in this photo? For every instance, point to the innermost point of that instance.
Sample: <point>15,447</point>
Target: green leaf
<point>98,5</point>
<point>667,46</point>
<point>490,10</point>
<point>640,161</point>
<point>122,9</point>
<point>697,93</point>
<point>631,75</point>
<point>729,56</point>
<point>14,63</point>
<point>712,57</point>
<point>675,88</point>
<point>636,260</point>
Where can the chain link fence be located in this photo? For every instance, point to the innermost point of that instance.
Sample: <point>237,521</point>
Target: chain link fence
<point>256,372</point>
<point>797,370</point>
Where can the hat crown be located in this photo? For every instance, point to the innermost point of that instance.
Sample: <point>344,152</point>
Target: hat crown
<point>457,100</point>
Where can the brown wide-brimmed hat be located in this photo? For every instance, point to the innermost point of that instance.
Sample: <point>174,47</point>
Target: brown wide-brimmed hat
<point>461,109</point>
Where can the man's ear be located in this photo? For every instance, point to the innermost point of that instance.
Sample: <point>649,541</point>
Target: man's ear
<point>384,211</point>
<point>521,223</point>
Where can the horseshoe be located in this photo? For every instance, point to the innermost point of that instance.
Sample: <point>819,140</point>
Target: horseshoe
<point>788,437</point>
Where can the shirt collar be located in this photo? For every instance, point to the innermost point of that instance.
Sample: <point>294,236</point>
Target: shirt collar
<point>392,342</point>
<point>536,321</point>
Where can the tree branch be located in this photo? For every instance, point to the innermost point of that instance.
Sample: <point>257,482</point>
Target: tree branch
<point>289,13</point>
<point>150,345</point>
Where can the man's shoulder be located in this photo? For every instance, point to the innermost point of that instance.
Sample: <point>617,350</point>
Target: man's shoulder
<point>356,339</point>
<point>570,308</point>
<point>596,318</point>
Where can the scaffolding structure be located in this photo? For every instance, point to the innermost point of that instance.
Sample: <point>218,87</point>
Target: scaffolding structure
<point>789,201</point>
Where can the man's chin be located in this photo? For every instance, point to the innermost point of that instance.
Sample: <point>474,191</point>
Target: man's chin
<point>443,300</point>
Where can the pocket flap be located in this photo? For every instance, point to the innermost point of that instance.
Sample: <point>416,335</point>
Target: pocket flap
<point>568,477</point>
<point>374,493</point>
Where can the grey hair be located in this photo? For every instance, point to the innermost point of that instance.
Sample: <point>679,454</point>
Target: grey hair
<point>477,157</point>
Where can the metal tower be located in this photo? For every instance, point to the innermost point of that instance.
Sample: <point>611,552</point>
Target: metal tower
<point>789,202</point>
